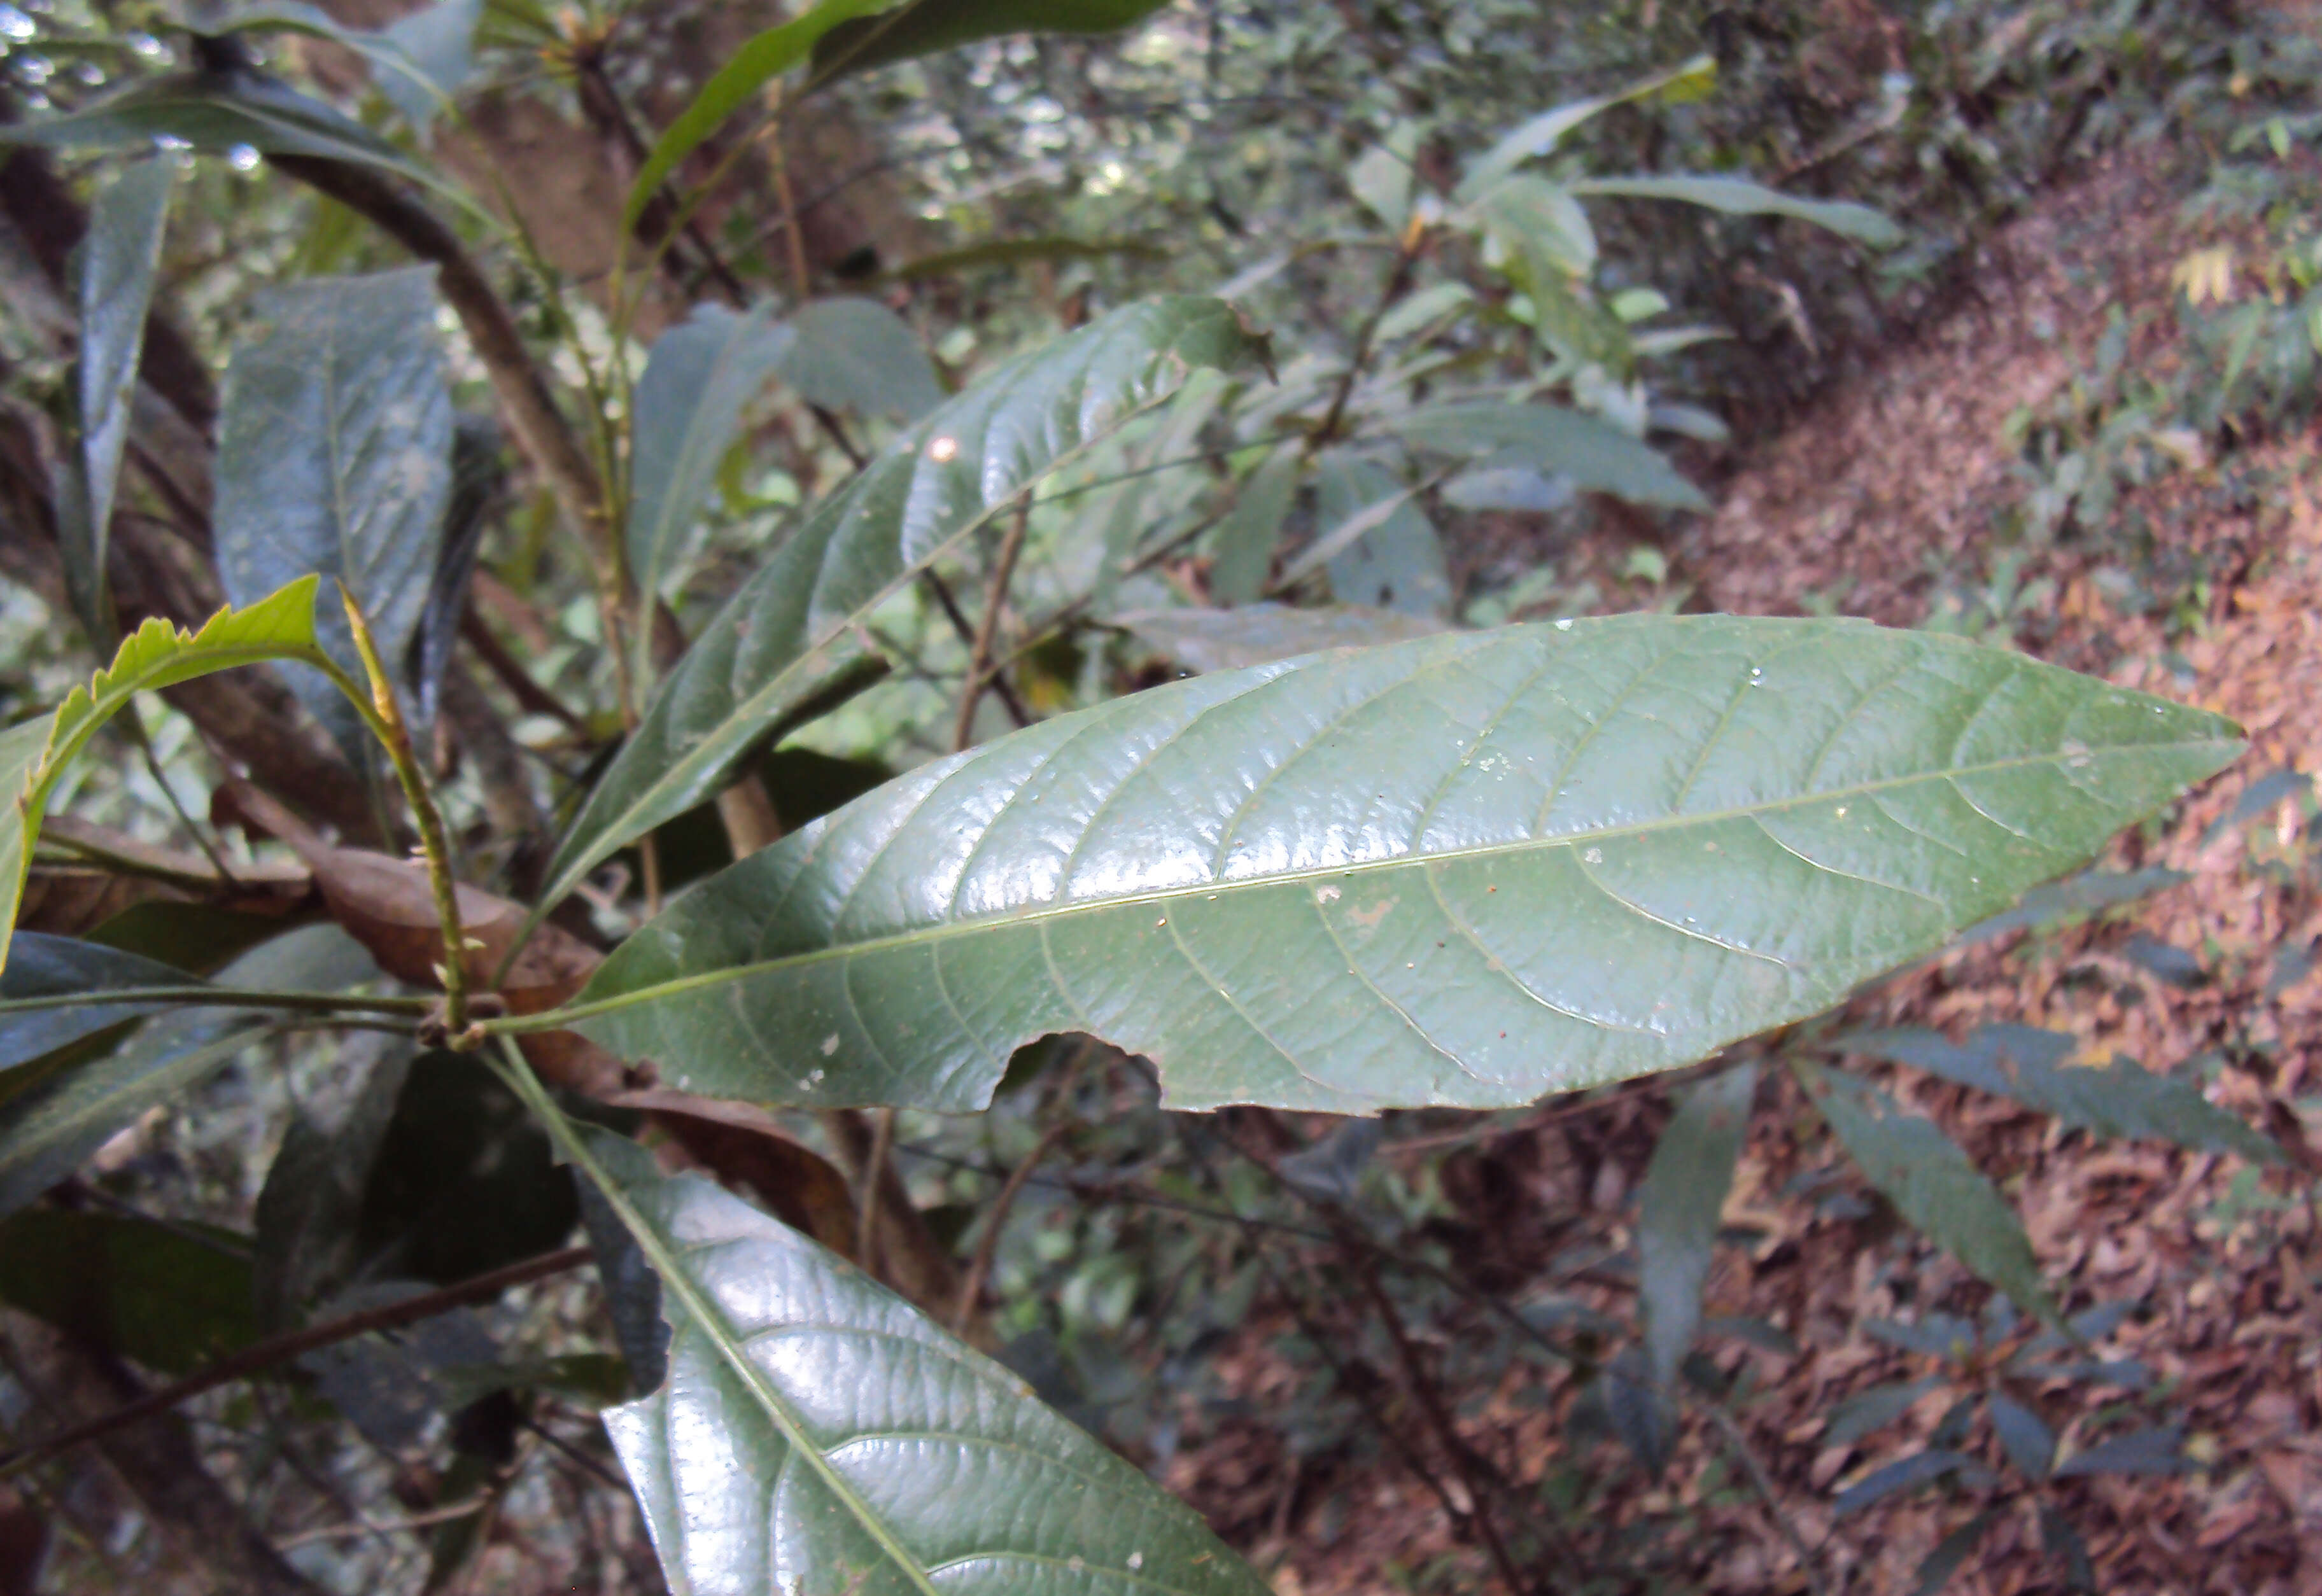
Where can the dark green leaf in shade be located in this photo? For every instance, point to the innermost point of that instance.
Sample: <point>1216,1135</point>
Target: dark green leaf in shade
<point>1259,634</point>
<point>1740,198</point>
<point>2157,1451</point>
<point>2089,892</point>
<point>43,966</point>
<point>215,112</point>
<point>687,412</point>
<point>2060,1541</point>
<point>1932,1184</point>
<point>1683,1195</point>
<point>1921,1468</point>
<point>1593,455</point>
<point>788,631</point>
<point>306,1245</point>
<point>856,354</point>
<point>49,1128</point>
<point>118,259</point>
<point>922,27</point>
<point>335,457</point>
<point>1949,1555</point>
<point>170,1297</point>
<point>475,479</point>
<point>1467,870</point>
<point>632,1289</point>
<point>2024,1434</point>
<point>1242,544</point>
<point>820,1436</point>
<point>199,937</point>
<point>1873,1410</point>
<point>2119,1099</point>
<point>1397,562</point>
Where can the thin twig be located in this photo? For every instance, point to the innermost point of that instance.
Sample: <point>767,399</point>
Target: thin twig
<point>265,1355</point>
<point>965,630</point>
<point>873,1179</point>
<point>995,601</point>
<point>996,1219</point>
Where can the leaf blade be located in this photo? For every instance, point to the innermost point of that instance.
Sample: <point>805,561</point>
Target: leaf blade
<point>1602,836</point>
<point>1683,1195</point>
<point>1737,197</point>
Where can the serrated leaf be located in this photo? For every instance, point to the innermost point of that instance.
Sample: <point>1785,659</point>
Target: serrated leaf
<point>1932,1184</point>
<point>335,457</point>
<point>788,629</point>
<point>923,27</point>
<point>687,410</point>
<point>215,113</point>
<point>1740,198</point>
<point>172,1298</point>
<point>818,1435</point>
<point>42,966</point>
<point>1260,634</point>
<point>849,353</point>
<point>1593,456</point>
<point>48,1128</point>
<point>1683,1195</point>
<point>280,626</point>
<point>1465,869</point>
<point>118,259</point>
<point>2119,1099</point>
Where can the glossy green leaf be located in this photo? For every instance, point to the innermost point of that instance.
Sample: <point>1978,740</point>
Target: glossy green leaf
<point>118,259</point>
<point>2119,1099</point>
<point>1679,1206</point>
<point>42,966</point>
<point>923,27</point>
<point>1593,456</point>
<point>766,57</point>
<point>1543,133</point>
<point>215,113</point>
<point>170,1297</point>
<point>1465,869</point>
<point>1932,1184</point>
<point>280,626</point>
<point>335,457</point>
<point>820,1436</point>
<point>1243,546</point>
<point>1740,198</point>
<point>688,410</point>
<point>1261,633</point>
<point>856,354</point>
<point>787,630</point>
<point>48,1127</point>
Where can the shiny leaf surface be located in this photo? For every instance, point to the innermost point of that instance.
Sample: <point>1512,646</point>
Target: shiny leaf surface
<point>786,631</point>
<point>818,1435</point>
<point>1465,869</point>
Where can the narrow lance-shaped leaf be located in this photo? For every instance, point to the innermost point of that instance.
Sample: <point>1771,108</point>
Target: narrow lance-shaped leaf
<point>1740,198</point>
<point>819,1435</point>
<point>1467,870</point>
<point>42,966</point>
<point>1931,1183</point>
<point>118,261</point>
<point>1544,132</point>
<point>922,27</point>
<point>280,626</point>
<point>335,457</point>
<point>787,630</point>
<point>1683,1195</point>
<point>1595,456</point>
<point>688,409</point>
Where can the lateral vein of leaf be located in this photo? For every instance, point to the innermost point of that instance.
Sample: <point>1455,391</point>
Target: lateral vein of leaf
<point>557,1018</point>
<point>1083,1565</point>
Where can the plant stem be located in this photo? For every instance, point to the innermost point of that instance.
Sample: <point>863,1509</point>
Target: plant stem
<point>987,631</point>
<point>265,1355</point>
<point>205,996</point>
<point>995,1219</point>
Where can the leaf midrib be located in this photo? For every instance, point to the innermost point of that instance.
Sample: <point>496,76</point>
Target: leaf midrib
<point>947,930</point>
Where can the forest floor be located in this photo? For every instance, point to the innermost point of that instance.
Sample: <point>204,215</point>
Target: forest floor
<point>1902,498</point>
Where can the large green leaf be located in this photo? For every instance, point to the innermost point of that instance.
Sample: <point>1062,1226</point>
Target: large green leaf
<point>335,457</point>
<point>922,27</point>
<point>1465,869</point>
<point>1678,1208</point>
<point>818,1435</point>
<point>42,966</point>
<point>280,626</point>
<point>1931,1183</point>
<point>118,260</point>
<point>850,353</point>
<point>688,409</point>
<point>786,631</point>
<point>170,1297</point>
<point>1740,198</point>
